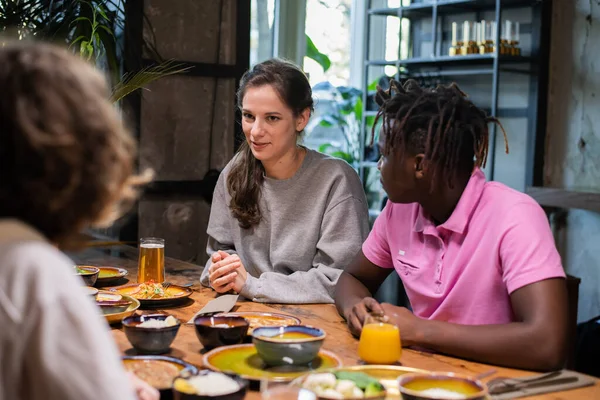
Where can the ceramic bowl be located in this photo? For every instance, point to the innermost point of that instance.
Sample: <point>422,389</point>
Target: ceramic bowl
<point>113,307</point>
<point>288,345</point>
<point>149,340</point>
<point>440,386</point>
<point>88,274</point>
<point>220,331</point>
<point>90,291</point>
<point>183,390</point>
<point>169,369</point>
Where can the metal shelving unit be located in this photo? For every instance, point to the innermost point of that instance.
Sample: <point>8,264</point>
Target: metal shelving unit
<point>447,68</point>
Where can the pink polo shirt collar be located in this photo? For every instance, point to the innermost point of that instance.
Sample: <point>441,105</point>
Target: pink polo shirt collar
<point>462,212</point>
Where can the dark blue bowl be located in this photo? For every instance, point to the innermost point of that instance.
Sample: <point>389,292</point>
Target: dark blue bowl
<point>301,347</point>
<point>220,331</point>
<point>149,340</point>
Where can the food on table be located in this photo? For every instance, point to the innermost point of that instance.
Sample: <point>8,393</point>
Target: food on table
<point>209,384</point>
<point>150,290</point>
<point>264,320</point>
<point>159,323</point>
<point>389,384</point>
<point>343,384</point>
<point>80,271</point>
<point>442,393</point>
<point>158,374</point>
<point>108,296</point>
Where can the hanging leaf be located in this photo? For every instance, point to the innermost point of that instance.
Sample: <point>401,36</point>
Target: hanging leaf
<point>335,151</point>
<point>344,156</point>
<point>373,85</point>
<point>313,53</point>
<point>349,92</point>
<point>358,109</point>
<point>370,121</point>
<point>132,82</point>
<point>323,148</point>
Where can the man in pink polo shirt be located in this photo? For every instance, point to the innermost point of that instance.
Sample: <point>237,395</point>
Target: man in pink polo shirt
<point>477,259</point>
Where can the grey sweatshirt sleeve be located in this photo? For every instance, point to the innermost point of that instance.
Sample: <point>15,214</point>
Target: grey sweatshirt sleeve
<point>219,230</point>
<point>344,228</point>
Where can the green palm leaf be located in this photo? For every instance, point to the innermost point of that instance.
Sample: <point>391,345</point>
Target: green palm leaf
<point>134,81</point>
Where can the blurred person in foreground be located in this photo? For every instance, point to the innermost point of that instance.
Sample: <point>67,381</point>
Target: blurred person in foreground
<point>66,163</point>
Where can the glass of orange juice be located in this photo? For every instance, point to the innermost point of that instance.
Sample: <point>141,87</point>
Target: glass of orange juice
<point>379,340</point>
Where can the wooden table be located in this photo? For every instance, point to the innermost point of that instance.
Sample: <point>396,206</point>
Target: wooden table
<point>339,340</point>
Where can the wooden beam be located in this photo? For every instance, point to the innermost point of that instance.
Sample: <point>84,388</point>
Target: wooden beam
<point>565,198</point>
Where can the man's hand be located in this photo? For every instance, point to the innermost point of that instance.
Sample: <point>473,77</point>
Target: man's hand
<point>407,323</point>
<point>357,314</point>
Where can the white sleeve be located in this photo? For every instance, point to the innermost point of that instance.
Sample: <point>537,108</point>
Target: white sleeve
<point>71,354</point>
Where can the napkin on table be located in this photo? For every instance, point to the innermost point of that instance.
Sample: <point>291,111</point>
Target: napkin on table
<point>221,304</point>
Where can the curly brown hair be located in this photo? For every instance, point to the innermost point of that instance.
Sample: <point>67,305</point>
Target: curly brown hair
<point>67,161</point>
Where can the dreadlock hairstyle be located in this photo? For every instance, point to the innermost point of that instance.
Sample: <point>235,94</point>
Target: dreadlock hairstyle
<point>441,122</point>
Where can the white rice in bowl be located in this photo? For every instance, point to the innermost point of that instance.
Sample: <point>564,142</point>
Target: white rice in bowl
<point>213,384</point>
<point>159,323</point>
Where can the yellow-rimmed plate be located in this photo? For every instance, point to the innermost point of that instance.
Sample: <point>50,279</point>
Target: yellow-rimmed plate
<point>243,360</point>
<point>175,293</point>
<point>257,319</point>
<point>114,318</point>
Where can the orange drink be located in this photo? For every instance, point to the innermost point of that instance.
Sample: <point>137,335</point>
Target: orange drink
<point>151,265</point>
<point>379,341</point>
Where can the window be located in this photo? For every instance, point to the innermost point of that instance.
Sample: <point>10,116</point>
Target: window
<point>328,27</point>
<point>261,30</point>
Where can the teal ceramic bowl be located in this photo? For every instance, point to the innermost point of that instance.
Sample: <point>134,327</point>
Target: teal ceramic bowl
<point>288,345</point>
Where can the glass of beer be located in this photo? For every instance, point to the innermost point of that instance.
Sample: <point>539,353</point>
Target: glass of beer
<point>151,266</point>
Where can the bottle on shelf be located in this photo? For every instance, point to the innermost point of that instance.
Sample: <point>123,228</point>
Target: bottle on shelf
<point>469,45</point>
<point>487,32</point>
<point>514,40</point>
<point>456,44</point>
<point>481,37</point>
<point>505,39</point>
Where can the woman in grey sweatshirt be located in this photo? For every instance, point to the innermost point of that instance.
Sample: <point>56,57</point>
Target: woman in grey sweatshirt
<point>284,220</point>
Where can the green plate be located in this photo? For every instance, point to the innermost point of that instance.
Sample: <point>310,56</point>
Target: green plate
<point>243,360</point>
